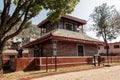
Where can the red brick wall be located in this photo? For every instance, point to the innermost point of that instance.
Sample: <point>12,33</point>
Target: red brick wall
<point>40,63</point>
<point>64,62</point>
<point>47,48</point>
<point>90,49</point>
<point>70,49</point>
<point>66,48</point>
<point>23,64</point>
<point>71,61</point>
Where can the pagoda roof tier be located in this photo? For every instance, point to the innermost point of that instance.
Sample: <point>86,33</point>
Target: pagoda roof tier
<point>65,35</point>
<point>80,21</point>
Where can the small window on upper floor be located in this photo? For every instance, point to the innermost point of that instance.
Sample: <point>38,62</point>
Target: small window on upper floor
<point>69,26</point>
<point>106,47</point>
<point>116,46</point>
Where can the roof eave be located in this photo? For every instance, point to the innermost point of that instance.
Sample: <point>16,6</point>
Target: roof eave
<point>61,38</point>
<point>81,22</point>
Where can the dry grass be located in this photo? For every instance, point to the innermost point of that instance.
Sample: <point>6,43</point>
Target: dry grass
<point>112,63</point>
<point>20,74</point>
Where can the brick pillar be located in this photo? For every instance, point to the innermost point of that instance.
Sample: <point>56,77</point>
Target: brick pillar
<point>54,42</point>
<point>97,49</point>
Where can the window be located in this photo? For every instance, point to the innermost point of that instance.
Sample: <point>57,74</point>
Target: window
<point>99,48</point>
<point>69,26</point>
<point>105,47</point>
<point>116,46</point>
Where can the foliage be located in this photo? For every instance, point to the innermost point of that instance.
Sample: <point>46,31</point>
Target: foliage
<point>21,11</point>
<point>106,21</point>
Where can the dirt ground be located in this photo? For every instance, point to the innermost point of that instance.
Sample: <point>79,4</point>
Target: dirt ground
<point>105,73</point>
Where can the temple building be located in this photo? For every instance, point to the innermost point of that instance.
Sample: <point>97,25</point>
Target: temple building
<point>63,38</point>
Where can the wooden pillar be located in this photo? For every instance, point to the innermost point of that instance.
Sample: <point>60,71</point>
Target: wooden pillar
<point>40,31</point>
<point>39,50</point>
<point>63,25</point>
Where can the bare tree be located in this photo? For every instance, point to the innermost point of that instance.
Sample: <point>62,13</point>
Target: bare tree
<point>106,23</point>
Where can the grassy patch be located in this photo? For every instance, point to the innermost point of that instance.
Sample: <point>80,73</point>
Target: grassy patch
<point>112,63</point>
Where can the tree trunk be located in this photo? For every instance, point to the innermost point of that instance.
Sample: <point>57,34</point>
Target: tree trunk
<point>1,65</point>
<point>107,52</point>
<point>1,59</point>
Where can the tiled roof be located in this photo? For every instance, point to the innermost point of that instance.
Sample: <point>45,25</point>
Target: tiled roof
<point>74,19</point>
<point>71,34</point>
<point>64,34</point>
<point>67,17</point>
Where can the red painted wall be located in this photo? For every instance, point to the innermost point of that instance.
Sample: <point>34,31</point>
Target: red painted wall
<point>40,63</point>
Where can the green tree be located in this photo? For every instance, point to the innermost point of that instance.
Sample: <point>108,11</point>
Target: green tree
<point>15,11</point>
<point>106,23</point>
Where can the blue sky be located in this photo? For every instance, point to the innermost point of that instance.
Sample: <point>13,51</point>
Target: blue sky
<point>82,11</point>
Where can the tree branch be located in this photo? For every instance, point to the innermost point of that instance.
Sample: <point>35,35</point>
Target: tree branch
<point>13,24</point>
<point>21,26</point>
<point>3,15</point>
<point>16,12</point>
<point>8,7</point>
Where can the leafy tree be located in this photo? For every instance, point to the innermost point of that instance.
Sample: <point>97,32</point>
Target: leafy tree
<point>106,23</point>
<point>21,11</point>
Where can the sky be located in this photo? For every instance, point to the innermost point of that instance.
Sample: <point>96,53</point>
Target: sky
<point>83,10</point>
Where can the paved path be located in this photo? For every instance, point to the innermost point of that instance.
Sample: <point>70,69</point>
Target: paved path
<point>106,73</point>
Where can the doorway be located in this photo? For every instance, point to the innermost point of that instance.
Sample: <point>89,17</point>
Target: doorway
<point>80,50</point>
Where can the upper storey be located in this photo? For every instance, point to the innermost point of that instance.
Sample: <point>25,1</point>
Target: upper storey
<point>66,22</point>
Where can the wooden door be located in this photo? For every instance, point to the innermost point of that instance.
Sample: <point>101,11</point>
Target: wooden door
<point>80,50</point>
